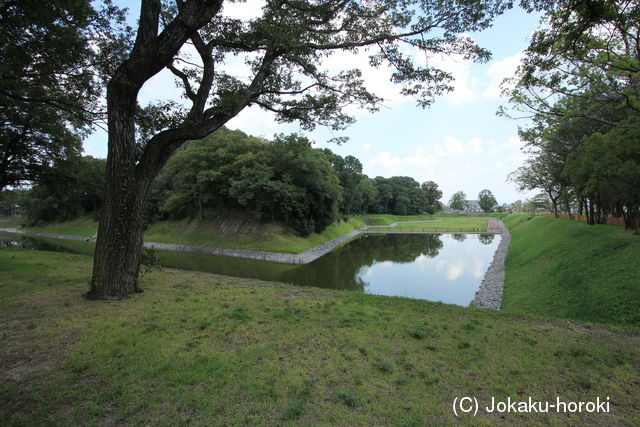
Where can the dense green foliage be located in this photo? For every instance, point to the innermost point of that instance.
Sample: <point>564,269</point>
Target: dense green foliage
<point>566,269</point>
<point>458,201</point>
<point>203,350</point>
<point>284,180</point>
<point>49,84</point>
<point>580,81</point>
<point>487,200</point>
<point>281,180</point>
<point>77,189</point>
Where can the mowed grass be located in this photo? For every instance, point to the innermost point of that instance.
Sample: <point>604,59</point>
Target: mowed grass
<point>473,215</point>
<point>446,224</point>
<point>429,223</point>
<point>387,219</point>
<point>567,269</point>
<point>204,350</point>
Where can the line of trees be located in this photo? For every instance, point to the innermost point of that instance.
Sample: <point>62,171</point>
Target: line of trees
<point>486,201</point>
<point>580,82</point>
<point>281,180</point>
<point>285,180</point>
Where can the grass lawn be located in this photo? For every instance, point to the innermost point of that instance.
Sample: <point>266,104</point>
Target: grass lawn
<point>204,350</point>
<point>567,269</point>
<point>387,219</point>
<point>444,225</point>
<point>199,233</point>
<point>473,215</point>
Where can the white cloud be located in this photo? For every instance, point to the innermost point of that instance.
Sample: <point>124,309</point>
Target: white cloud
<point>366,147</point>
<point>384,164</point>
<point>454,147</point>
<point>246,10</point>
<point>452,268</point>
<point>464,84</point>
<point>500,70</point>
<point>376,80</point>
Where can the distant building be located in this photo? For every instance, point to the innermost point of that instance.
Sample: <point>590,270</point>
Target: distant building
<point>472,206</point>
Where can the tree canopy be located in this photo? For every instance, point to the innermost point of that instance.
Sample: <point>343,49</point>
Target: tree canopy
<point>580,82</point>
<point>458,201</point>
<point>486,200</point>
<point>50,82</point>
<point>280,180</point>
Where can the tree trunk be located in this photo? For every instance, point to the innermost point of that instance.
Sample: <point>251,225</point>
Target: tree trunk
<point>119,241</point>
<point>591,212</point>
<point>129,172</point>
<point>222,206</point>
<point>567,206</point>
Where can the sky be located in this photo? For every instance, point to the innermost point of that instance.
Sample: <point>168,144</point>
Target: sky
<point>458,142</point>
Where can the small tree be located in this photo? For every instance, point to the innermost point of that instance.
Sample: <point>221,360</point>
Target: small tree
<point>458,201</point>
<point>486,200</point>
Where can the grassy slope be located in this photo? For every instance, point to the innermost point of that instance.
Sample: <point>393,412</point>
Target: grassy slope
<point>567,269</point>
<point>200,233</point>
<point>446,224</point>
<point>9,223</point>
<point>206,350</point>
<point>83,226</point>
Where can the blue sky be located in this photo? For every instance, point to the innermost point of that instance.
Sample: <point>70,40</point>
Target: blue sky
<point>458,142</point>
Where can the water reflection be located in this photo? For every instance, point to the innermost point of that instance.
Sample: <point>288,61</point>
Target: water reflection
<point>452,277</point>
<point>47,244</point>
<point>435,267</point>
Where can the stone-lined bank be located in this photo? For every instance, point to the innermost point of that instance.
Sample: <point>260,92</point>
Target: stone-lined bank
<point>490,293</point>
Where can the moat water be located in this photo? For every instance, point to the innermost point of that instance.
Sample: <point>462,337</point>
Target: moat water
<point>435,267</point>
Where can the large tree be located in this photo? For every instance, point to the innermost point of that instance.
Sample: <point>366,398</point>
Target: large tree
<point>433,195</point>
<point>585,51</point>
<point>284,49</point>
<point>486,200</point>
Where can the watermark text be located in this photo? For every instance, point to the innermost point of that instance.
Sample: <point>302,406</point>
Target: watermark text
<point>471,405</point>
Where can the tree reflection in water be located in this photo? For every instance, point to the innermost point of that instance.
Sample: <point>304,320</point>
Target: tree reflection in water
<point>437,267</point>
